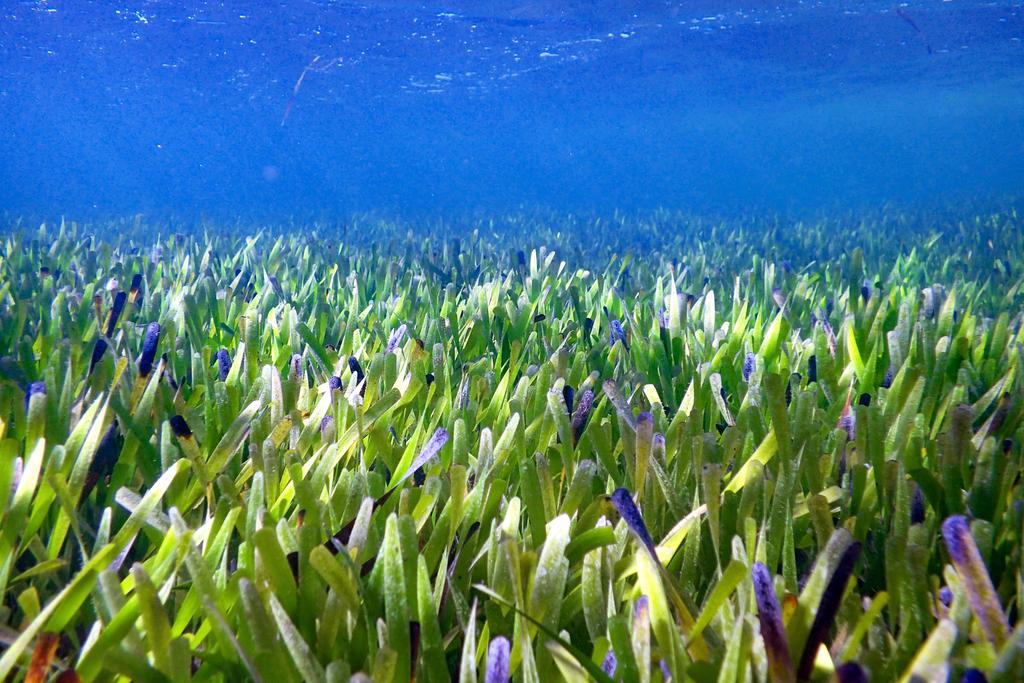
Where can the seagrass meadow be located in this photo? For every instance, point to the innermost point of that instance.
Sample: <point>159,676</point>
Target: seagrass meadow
<point>530,446</point>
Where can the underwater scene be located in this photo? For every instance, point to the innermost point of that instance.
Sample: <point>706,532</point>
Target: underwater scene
<point>512,341</point>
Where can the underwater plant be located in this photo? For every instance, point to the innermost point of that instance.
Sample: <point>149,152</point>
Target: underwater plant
<point>687,449</point>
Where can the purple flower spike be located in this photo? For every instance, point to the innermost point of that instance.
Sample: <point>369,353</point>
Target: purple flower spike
<point>579,418</point>
<point>433,447</point>
<point>618,334</point>
<point>665,673</point>
<point>295,367</point>
<point>946,596</point>
<point>223,364</point>
<point>149,343</point>
<point>396,338</point>
<point>641,611</point>
<point>848,423</point>
<point>497,661</point>
<point>971,568</point>
<point>772,630</point>
<point>749,363</point>
<point>623,502</point>
<point>610,663</point>
<point>334,383</point>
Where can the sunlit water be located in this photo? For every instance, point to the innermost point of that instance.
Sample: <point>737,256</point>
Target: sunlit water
<point>318,108</point>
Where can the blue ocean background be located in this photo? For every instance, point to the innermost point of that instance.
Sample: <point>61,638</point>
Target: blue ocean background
<point>191,109</point>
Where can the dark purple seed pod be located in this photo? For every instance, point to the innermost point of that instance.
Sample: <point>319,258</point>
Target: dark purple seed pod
<point>864,399</point>
<point>539,318</point>
<point>917,507</point>
<point>334,383</point>
<point>623,502</point>
<point>588,325</point>
<point>749,363</point>
<point>35,388</point>
<point>663,319</point>
<point>97,353</point>
<point>179,427</point>
<point>295,366</point>
<point>430,378</point>
<point>827,609</point>
<point>812,369</point>
<point>356,368</point>
<point>326,422</point>
<point>865,290</point>
<point>851,672</point>
<point>772,631</point>
<point>521,258</point>
<point>136,283</point>
<point>149,343</point>
<point>223,364</point>
<point>829,306</point>
<point>44,271</point>
<point>946,596</point>
<point>973,676</point>
<point>579,418</point>
<point>789,387</point>
<point>115,312</point>
<point>498,661</point>
<point>691,299</point>
<point>966,557</point>
<point>610,663</point>
<point>107,452</point>
<point>887,379</point>
<point>414,646</point>
<point>567,396</point>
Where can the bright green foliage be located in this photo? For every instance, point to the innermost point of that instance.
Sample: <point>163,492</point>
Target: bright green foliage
<point>231,516</point>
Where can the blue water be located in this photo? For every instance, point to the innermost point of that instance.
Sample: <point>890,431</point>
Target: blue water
<point>180,108</point>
